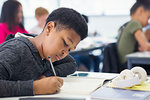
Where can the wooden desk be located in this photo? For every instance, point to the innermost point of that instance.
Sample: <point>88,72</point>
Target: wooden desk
<point>138,58</point>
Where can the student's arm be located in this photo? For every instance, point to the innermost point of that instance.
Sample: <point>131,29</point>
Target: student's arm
<point>147,34</point>
<point>8,88</point>
<point>13,88</point>
<point>142,40</point>
<point>65,66</point>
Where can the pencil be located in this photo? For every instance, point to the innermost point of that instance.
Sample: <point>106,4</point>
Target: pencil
<point>52,66</point>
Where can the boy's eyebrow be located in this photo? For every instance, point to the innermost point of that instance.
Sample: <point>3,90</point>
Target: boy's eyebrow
<point>70,40</point>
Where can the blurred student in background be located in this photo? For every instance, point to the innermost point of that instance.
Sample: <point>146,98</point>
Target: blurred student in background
<point>40,14</point>
<point>11,19</point>
<point>131,38</point>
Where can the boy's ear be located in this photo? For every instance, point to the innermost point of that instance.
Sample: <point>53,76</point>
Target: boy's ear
<point>50,27</point>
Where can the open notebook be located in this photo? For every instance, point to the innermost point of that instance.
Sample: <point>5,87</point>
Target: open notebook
<point>84,85</point>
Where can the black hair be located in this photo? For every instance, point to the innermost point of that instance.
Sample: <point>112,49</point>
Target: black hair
<point>66,18</point>
<point>139,3</point>
<point>86,18</point>
<point>9,13</point>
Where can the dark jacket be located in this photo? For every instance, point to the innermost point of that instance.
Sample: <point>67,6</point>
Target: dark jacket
<point>111,61</point>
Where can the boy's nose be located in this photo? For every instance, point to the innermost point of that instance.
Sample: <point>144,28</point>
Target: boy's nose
<point>65,53</point>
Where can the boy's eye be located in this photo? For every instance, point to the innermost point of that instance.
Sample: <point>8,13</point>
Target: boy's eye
<point>65,44</point>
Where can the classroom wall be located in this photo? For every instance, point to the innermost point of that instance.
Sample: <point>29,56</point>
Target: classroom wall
<point>107,25</point>
<point>104,25</point>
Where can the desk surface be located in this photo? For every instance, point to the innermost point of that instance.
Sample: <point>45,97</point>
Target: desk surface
<point>139,55</point>
<point>63,94</point>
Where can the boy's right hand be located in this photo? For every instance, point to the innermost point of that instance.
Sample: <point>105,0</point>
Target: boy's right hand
<point>48,85</point>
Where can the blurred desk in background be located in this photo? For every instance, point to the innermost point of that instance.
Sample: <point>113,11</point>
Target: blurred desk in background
<point>90,44</point>
<point>142,58</point>
<point>86,51</point>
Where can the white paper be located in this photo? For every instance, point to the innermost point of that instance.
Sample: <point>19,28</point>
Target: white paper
<point>80,85</point>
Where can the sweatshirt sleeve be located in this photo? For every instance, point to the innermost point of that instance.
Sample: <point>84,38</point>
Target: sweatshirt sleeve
<point>13,88</point>
<point>8,86</point>
<point>63,67</point>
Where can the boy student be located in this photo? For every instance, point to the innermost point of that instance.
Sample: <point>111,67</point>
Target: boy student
<point>41,14</point>
<point>24,61</point>
<point>131,32</point>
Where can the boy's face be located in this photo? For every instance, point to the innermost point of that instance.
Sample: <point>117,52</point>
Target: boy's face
<point>58,43</point>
